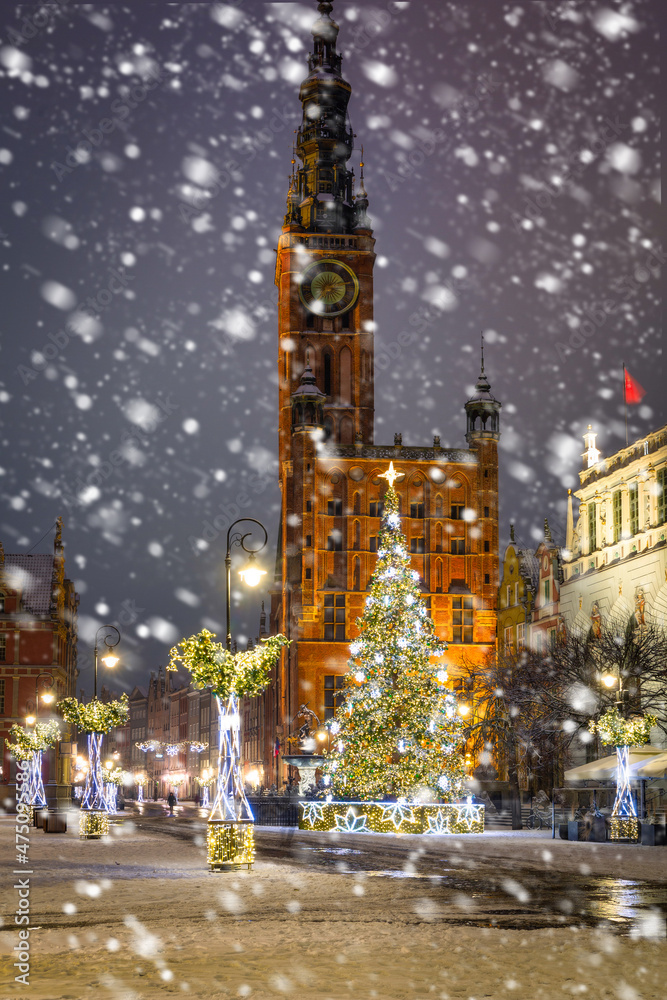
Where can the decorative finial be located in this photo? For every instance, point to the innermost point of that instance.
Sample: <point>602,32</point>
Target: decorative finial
<point>325,7</point>
<point>512,539</point>
<point>482,336</point>
<point>547,531</point>
<point>391,475</point>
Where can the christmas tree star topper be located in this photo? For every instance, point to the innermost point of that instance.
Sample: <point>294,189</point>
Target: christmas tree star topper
<point>391,475</point>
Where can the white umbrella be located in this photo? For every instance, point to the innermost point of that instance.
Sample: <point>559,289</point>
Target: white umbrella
<point>605,768</point>
<point>655,767</point>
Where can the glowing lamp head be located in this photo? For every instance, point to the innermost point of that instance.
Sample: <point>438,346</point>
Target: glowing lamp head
<point>322,735</point>
<point>30,720</point>
<point>110,660</point>
<point>464,710</point>
<point>252,574</point>
<point>47,698</point>
<point>609,680</point>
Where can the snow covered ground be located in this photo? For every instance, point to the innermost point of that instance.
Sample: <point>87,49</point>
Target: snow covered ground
<point>139,916</point>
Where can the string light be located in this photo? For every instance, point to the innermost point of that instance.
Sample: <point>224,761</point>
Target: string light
<point>623,733</point>
<point>381,817</point>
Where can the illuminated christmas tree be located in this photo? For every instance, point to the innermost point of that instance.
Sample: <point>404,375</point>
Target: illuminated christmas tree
<point>397,732</point>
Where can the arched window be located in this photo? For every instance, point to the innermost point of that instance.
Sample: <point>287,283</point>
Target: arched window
<point>357,503</point>
<point>357,535</point>
<point>438,576</point>
<point>327,372</point>
<point>438,506</point>
<point>346,377</point>
<point>346,431</point>
<point>356,574</point>
<point>438,538</point>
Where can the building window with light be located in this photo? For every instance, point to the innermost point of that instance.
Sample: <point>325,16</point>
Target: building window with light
<point>334,617</point>
<point>462,612</point>
<point>547,591</point>
<point>520,636</point>
<point>633,503</point>
<point>508,639</point>
<point>617,510</point>
<point>592,528</point>
<point>661,479</point>
<point>333,694</point>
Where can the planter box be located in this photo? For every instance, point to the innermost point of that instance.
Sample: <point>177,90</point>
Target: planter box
<point>55,823</point>
<point>392,817</point>
<point>653,835</point>
<point>573,829</point>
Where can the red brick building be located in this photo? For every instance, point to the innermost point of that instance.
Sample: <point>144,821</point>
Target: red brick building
<point>38,637</point>
<point>329,463</point>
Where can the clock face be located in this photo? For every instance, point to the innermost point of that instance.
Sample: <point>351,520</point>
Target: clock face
<point>328,287</point>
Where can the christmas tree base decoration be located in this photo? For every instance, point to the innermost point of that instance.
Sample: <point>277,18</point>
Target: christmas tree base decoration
<point>392,817</point>
<point>230,845</point>
<point>93,824</point>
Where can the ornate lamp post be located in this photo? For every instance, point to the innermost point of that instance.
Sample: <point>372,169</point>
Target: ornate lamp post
<point>251,574</point>
<point>109,660</point>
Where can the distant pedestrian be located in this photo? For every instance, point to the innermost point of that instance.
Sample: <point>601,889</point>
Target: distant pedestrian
<point>171,802</point>
<point>196,798</point>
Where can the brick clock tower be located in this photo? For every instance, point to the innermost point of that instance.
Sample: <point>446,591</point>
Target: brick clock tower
<point>329,463</point>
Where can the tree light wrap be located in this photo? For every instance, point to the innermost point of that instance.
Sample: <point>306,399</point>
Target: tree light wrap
<point>29,745</point>
<point>397,732</point>
<point>623,733</point>
<point>230,676</point>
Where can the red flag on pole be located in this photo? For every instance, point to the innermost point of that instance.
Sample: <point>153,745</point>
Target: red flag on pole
<point>634,393</point>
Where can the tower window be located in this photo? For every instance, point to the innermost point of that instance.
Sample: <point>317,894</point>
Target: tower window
<point>417,545</point>
<point>345,321</point>
<point>335,541</point>
<point>309,573</point>
<point>376,508</point>
<point>373,544</point>
<point>3,649</point>
<point>334,694</point>
<point>462,619</point>
<point>334,508</point>
<point>487,546</point>
<point>310,320</point>
<point>309,541</point>
<point>458,546</point>
<point>334,617</point>
<point>487,578</point>
<point>327,373</point>
<point>486,512</point>
<point>309,505</point>
<point>417,510</point>
<point>457,511</point>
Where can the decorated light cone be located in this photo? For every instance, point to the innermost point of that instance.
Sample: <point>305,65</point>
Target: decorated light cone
<point>623,733</point>
<point>230,838</point>
<point>96,718</point>
<point>29,746</point>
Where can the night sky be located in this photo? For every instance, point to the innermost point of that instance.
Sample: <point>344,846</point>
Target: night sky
<point>512,166</point>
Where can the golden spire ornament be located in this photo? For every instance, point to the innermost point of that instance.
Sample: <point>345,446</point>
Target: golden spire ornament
<point>391,475</point>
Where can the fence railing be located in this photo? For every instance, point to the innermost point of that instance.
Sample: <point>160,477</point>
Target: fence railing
<point>274,811</point>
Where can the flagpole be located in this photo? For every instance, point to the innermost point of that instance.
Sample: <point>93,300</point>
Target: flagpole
<point>625,399</point>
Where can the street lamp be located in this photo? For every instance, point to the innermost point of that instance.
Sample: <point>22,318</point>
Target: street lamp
<point>47,696</point>
<point>109,660</point>
<point>251,574</point>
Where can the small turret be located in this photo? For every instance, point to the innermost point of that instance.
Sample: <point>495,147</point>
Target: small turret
<point>307,404</point>
<point>592,455</point>
<point>482,410</point>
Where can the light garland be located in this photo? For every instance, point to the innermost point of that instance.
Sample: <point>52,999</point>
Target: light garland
<point>381,817</point>
<point>398,731</point>
<point>615,730</point>
<point>29,745</point>
<point>96,716</point>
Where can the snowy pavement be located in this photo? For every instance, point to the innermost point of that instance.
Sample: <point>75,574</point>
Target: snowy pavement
<point>139,916</point>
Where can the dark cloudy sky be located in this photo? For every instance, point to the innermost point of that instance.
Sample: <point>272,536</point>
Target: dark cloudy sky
<point>512,166</point>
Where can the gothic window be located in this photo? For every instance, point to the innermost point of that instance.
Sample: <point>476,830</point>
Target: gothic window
<point>417,510</point>
<point>458,546</point>
<point>438,576</point>
<point>346,431</point>
<point>357,535</point>
<point>376,508</point>
<point>357,503</point>
<point>335,541</point>
<point>346,377</point>
<point>356,575</point>
<point>373,544</point>
<point>487,546</point>
<point>457,511</point>
<point>438,538</point>
<point>334,508</point>
<point>327,372</point>
<point>417,545</point>
<point>438,506</point>
<point>345,321</point>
